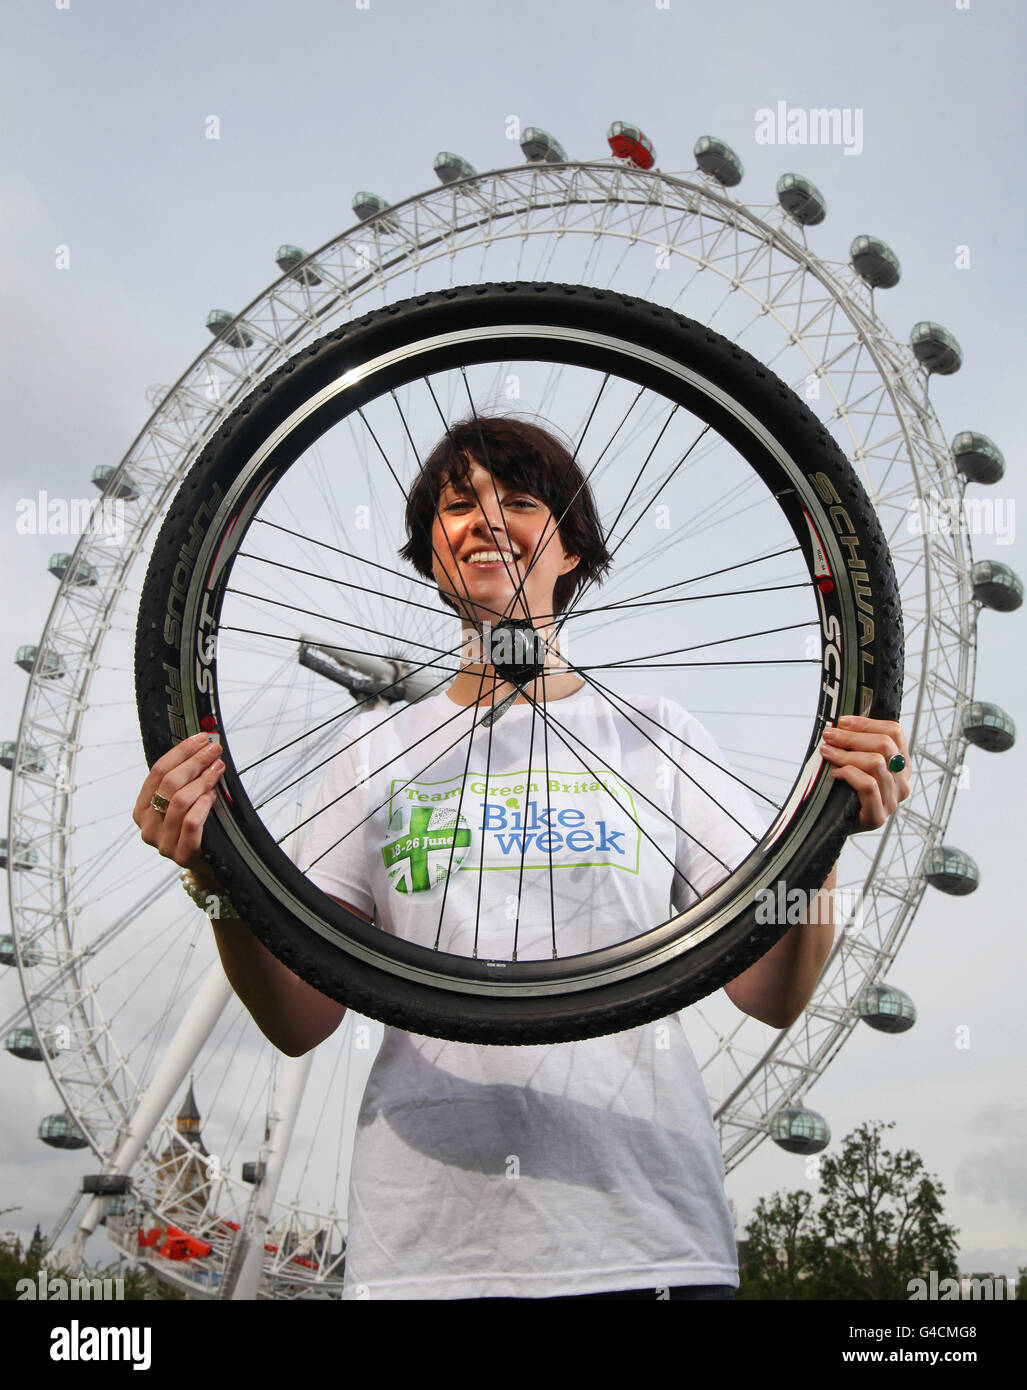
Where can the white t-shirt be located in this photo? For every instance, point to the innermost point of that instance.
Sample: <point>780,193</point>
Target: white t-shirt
<point>554,1169</point>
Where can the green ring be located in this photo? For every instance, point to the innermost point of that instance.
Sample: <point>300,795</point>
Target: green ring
<point>897,763</point>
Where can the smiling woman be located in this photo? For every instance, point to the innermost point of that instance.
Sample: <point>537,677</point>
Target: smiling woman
<point>503,520</point>
<point>561,881</point>
<point>446,844</point>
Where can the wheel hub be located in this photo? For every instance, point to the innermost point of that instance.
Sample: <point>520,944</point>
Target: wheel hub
<point>515,650</point>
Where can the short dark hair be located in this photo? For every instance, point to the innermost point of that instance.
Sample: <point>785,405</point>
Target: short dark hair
<point>522,455</point>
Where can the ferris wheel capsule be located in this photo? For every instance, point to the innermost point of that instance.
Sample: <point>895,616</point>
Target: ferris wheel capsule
<point>628,142</point>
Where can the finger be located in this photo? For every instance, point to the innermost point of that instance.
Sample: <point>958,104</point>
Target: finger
<point>160,769</point>
<point>876,766</point>
<point>879,735</point>
<point>888,727</point>
<point>188,770</point>
<point>862,742</point>
<point>181,804</point>
<point>191,835</point>
<point>191,766</point>
<point>872,814</point>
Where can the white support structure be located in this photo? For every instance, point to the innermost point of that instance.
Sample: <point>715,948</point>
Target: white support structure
<point>246,1262</point>
<point>194,1030</point>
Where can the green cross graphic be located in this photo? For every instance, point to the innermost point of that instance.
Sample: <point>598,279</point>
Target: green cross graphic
<point>416,843</point>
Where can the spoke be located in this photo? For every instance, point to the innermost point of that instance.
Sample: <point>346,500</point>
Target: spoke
<point>456,825</point>
<point>678,583</point>
<point>618,604</point>
<point>403,490</point>
<point>541,545</point>
<point>291,636</point>
<point>605,690</point>
<point>327,617</point>
<point>377,808</point>
<point>345,714</point>
<point>677,665</point>
<point>328,579</point>
<point>668,479</point>
<point>628,662</point>
<point>550,720</point>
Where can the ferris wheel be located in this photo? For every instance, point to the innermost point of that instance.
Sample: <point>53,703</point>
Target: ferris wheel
<point>222,1164</point>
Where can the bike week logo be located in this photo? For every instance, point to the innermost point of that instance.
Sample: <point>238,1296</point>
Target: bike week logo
<point>429,839</point>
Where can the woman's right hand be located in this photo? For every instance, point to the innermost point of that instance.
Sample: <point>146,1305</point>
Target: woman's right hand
<point>187,776</point>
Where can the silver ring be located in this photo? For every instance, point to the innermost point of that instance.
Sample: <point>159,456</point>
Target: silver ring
<point>159,803</point>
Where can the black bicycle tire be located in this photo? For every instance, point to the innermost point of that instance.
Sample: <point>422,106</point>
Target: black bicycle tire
<point>460,1015</point>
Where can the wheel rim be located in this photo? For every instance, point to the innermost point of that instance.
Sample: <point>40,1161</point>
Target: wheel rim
<point>351,391</point>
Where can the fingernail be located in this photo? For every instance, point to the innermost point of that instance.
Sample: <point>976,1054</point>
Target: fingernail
<point>198,738</point>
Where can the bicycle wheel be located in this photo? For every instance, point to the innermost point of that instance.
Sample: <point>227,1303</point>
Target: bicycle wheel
<point>802,528</point>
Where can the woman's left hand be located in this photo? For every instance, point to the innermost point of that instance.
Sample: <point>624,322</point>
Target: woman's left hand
<point>860,750</point>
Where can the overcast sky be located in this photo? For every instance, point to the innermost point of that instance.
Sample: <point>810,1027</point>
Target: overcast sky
<point>106,106</point>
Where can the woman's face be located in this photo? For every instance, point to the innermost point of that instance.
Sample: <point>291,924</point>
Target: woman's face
<point>500,519</point>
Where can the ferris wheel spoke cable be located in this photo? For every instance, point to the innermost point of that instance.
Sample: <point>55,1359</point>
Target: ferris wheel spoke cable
<point>155,1033</point>
<point>313,1147</point>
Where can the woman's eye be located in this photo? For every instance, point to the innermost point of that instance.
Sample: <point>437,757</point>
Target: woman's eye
<point>516,502</point>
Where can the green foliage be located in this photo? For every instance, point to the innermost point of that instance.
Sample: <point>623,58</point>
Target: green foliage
<point>1021,1283</point>
<point>17,1263</point>
<point>783,1224</point>
<point>879,1225</point>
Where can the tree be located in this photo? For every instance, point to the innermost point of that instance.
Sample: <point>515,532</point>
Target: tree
<point>879,1225</point>
<point>779,1250</point>
<point>18,1263</point>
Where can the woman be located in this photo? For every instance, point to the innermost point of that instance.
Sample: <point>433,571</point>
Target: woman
<point>587,1169</point>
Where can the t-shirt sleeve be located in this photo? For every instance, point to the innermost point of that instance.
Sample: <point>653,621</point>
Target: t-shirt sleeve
<point>720,819</point>
<point>332,851</point>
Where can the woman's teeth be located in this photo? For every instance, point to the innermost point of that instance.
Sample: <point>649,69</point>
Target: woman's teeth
<point>488,557</point>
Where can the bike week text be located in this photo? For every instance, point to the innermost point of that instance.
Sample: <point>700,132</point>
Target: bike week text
<point>78,1343</point>
<point>832,628</point>
<point>512,826</point>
